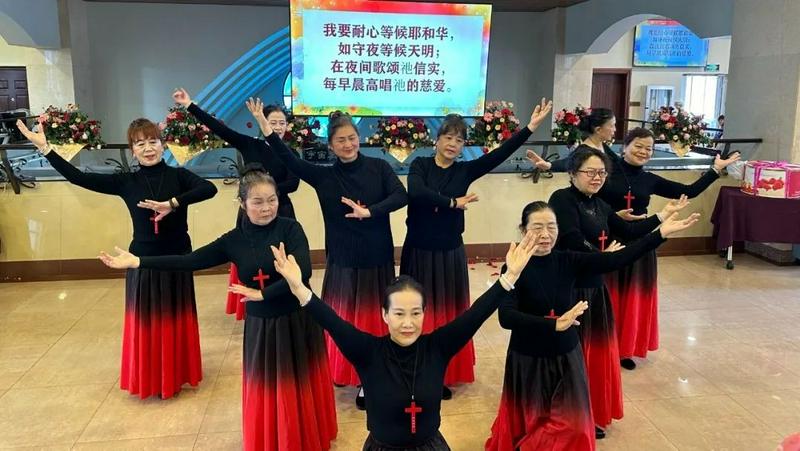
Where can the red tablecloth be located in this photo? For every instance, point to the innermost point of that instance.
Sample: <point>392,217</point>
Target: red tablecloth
<point>742,217</point>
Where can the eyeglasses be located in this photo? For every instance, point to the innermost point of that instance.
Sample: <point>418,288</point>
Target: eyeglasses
<point>592,173</point>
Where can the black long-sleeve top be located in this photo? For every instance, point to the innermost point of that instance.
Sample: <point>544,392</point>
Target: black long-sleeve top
<point>562,165</point>
<point>546,284</point>
<point>431,223</point>
<point>159,182</point>
<point>248,246</point>
<point>351,242</point>
<point>583,220</point>
<point>644,184</point>
<point>255,150</point>
<point>382,365</point>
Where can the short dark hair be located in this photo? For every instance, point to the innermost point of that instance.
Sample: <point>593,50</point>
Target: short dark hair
<point>533,207</point>
<point>583,153</point>
<point>402,283</point>
<point>453,124</point>
<point>638,133</point>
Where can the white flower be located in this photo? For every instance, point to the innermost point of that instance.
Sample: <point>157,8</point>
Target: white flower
<point>77,120</point>
<point>71,141</point>
<point>566,133</point>
<point>488,128</point>
<point>84,136</point>
<point>497,127</point>
<point>675,138</point>
<point>54,125</point>
<point>555,139</point>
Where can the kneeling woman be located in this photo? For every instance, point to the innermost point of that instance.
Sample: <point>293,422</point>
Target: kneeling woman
<point>403,372</point>
<point>287,397</point>
<point>545,400</point>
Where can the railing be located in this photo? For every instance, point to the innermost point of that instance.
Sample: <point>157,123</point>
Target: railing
<point>22,170</point>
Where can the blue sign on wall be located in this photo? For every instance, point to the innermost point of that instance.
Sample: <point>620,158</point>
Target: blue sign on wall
<point>667,43</point>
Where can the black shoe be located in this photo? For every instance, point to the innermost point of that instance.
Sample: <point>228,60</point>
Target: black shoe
<point>628,364</point>
<point>361,404</point>
<point>446,393</point>
<point>599,433</point>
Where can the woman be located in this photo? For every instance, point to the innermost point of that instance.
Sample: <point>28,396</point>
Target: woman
<point>586,224</point>
<point>403,371</point>
<point>634,289</point>
<point>356,195</point>
<point>287,399</point>
<point>253,150</point>
<point>545,400</point>
<point>433,252</point>
<point>160,342</point>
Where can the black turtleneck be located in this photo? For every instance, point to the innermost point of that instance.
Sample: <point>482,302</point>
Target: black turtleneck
<point>583,219</point>
<point>248,247</point>
<point>386,369</point>
<point>159,182</point>
<point>644,184</point>
<point>353,243</point>
<point>546,284</point>
<point>431,223</point>
<point>562,165</point>
<point>254,150</point>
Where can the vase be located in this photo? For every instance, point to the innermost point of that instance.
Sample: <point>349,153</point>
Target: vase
<point>68,151</point>
<point>400,153</point>
<point>680,149</point>
<point>181,153</point>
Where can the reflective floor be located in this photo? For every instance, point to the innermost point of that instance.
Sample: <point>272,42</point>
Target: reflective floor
<point>727,375</point>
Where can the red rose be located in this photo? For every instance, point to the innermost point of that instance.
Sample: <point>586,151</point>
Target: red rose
<point>506,134</point>
<point>184,140</point>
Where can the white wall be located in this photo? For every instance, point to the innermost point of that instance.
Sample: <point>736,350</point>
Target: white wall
<point>49,74</point>
<point>573,79</point>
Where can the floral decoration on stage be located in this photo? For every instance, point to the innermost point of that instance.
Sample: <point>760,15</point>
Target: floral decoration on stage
<point>185,136</point>
<point>300,133</point>
<point>401,136</point>
<point>496,125</point>
<point>680,128</point>
<point>69,130</point>
<point>567,123</point>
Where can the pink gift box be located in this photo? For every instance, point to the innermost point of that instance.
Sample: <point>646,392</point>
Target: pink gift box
<point>771,179</point>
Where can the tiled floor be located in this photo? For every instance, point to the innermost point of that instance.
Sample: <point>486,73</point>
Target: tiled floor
<point>727,375</point>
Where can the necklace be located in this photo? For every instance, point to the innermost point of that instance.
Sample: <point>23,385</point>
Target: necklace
<point>155,195</point>
<point>413,409</point>
<point>260,277</point>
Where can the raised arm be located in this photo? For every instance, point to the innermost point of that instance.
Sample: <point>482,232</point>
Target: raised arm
<point>355,344</point>
<point>310,173</point>
<point>101,183</point>
<point>491,160</point>
<point>673,190</point>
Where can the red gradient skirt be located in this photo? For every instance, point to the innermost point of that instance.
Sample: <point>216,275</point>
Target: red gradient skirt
<point>234,305</point>
<point>601,355</point>
<point>445,277</point>
<point>544,405</point>
<point>355,294</point>
<point>287,397</point>
<point>160,341</point>
<point>634,299</point>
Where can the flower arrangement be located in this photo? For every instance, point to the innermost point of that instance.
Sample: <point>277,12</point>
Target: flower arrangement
<point>70,130</point>
<point>496,125</point>
<point>567,123</point>
<point>400,136</point>
<point>300,133</point>
<point>679,127</point>
<point>185,136</point>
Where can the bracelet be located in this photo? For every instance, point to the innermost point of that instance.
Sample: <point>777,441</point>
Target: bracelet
<point>453,202</point>
<point>172,203</point>
<point>505,280</point>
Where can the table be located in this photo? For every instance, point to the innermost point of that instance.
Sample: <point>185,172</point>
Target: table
<point>741,217</point>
